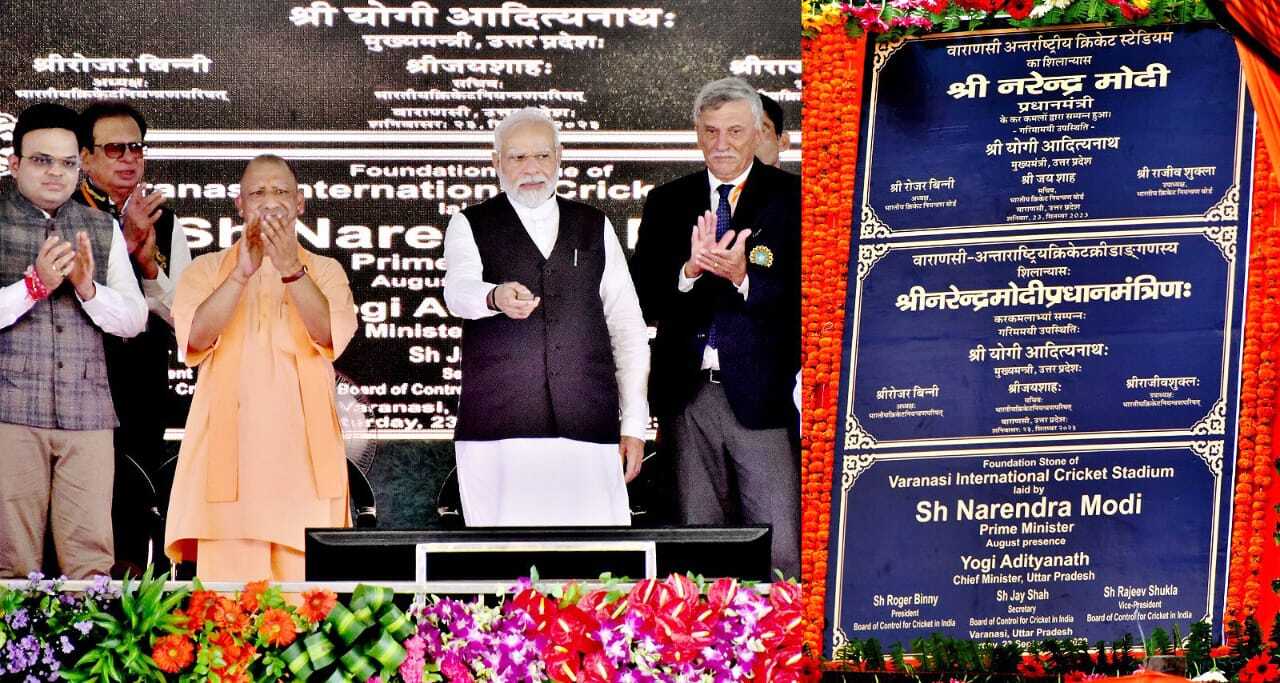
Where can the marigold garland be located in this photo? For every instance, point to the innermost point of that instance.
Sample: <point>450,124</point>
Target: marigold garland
<point>832,107</point>
<point>1254,555</point>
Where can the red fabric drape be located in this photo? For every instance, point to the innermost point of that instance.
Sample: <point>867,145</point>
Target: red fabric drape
<point>1260,21</point>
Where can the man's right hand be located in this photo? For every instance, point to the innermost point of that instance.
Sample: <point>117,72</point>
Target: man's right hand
<point>515,300</point>
<point>54,261</point>
<point>702,239</point>
<point>250,256</point>
<point>141,212</point>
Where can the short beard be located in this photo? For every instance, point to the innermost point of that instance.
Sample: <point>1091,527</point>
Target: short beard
<point>530,199</point>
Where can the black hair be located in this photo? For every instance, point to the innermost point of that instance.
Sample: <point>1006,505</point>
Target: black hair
<point>107,109</point>
<point>41,116</point>
<point>774,111</point>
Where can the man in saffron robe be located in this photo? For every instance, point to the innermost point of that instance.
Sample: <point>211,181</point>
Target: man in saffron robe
<point>263,456</point>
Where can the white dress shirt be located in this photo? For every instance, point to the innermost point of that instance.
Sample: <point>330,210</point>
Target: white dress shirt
<point>710,356</point>
<point>159,292</point>
<point>117,308</point>
<point>466,292</point>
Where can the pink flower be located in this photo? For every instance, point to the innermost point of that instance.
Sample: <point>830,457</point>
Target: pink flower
<point>454,669</point>
<point>868,16</point>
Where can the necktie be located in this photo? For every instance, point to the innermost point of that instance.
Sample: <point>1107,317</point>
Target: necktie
<point>723,213</point>
<point>723,217</point>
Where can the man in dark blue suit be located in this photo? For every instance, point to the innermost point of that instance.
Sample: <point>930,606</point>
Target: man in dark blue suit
<point>717,270</point>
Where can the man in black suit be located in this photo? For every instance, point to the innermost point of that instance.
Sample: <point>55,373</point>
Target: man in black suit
<point>717,270</point>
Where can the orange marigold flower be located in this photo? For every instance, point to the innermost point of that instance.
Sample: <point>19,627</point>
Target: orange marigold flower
<point>277,628</point>
<point>251,595</point>
<point>173,653</point>
<point>316,605</point>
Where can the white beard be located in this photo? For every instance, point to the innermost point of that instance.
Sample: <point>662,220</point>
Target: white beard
<point>529,199</point>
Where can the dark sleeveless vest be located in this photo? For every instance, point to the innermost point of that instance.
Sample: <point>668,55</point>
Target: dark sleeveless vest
<point>551,374</point>
<point>52,370</point>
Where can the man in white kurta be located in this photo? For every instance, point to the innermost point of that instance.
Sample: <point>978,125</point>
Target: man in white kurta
<point>553,409</point>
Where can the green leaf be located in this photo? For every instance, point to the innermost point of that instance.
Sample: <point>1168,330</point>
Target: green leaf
<point>1077,11</point>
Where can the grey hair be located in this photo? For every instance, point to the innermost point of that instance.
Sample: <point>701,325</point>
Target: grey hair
<point>526,115</point>
<point>719,93</point>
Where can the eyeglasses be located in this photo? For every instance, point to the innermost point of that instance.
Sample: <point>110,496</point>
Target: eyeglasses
<point>115,150</point>
<point>518,159</point>
<point>46,162</point>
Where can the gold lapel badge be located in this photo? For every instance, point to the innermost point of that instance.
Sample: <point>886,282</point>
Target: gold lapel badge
<point>761,256</point>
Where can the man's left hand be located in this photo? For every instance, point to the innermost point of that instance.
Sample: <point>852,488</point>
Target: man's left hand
<point>728,258</point>
<point>81,275</point>
<point>145,256</point>
<point>281,244</point>
<point>632,451</point>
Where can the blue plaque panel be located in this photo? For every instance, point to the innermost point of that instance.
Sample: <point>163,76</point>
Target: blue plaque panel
<point>1046,338</point>
<point>1043,331</point>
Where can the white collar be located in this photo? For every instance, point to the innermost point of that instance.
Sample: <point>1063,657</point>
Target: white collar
<point>542,212</point>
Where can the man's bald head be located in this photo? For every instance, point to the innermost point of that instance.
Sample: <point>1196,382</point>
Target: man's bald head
<point>271,159</point>
<point>269,187</point>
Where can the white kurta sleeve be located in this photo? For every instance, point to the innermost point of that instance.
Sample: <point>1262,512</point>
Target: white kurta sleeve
<point>159,292</point>
<point>117,307</point>
<point>465,291</point>
<point>628,336</point>
<point>14,303</point>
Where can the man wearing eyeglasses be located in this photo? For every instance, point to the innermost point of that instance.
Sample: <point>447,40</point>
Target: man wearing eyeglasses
<point>112,153</point>
<point>555,355</point>
<point>56,414</point>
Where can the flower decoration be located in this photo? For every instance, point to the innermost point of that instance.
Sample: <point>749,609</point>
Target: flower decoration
<point>832,98</point>
<point>173,653</point>
<point>1260,669</point>
<point>1254,513</point>
<point>277,628</point>
<point>1031,667</point>
<point>893,19</point>
<point>316,605</point>
<point>43,630</point>
<point>251,595</point>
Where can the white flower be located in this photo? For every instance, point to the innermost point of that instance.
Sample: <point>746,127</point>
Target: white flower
<point>1043,7</point>
<point>1213,675</point>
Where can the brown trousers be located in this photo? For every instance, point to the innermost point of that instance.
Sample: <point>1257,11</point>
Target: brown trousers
<point>63,472</point>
